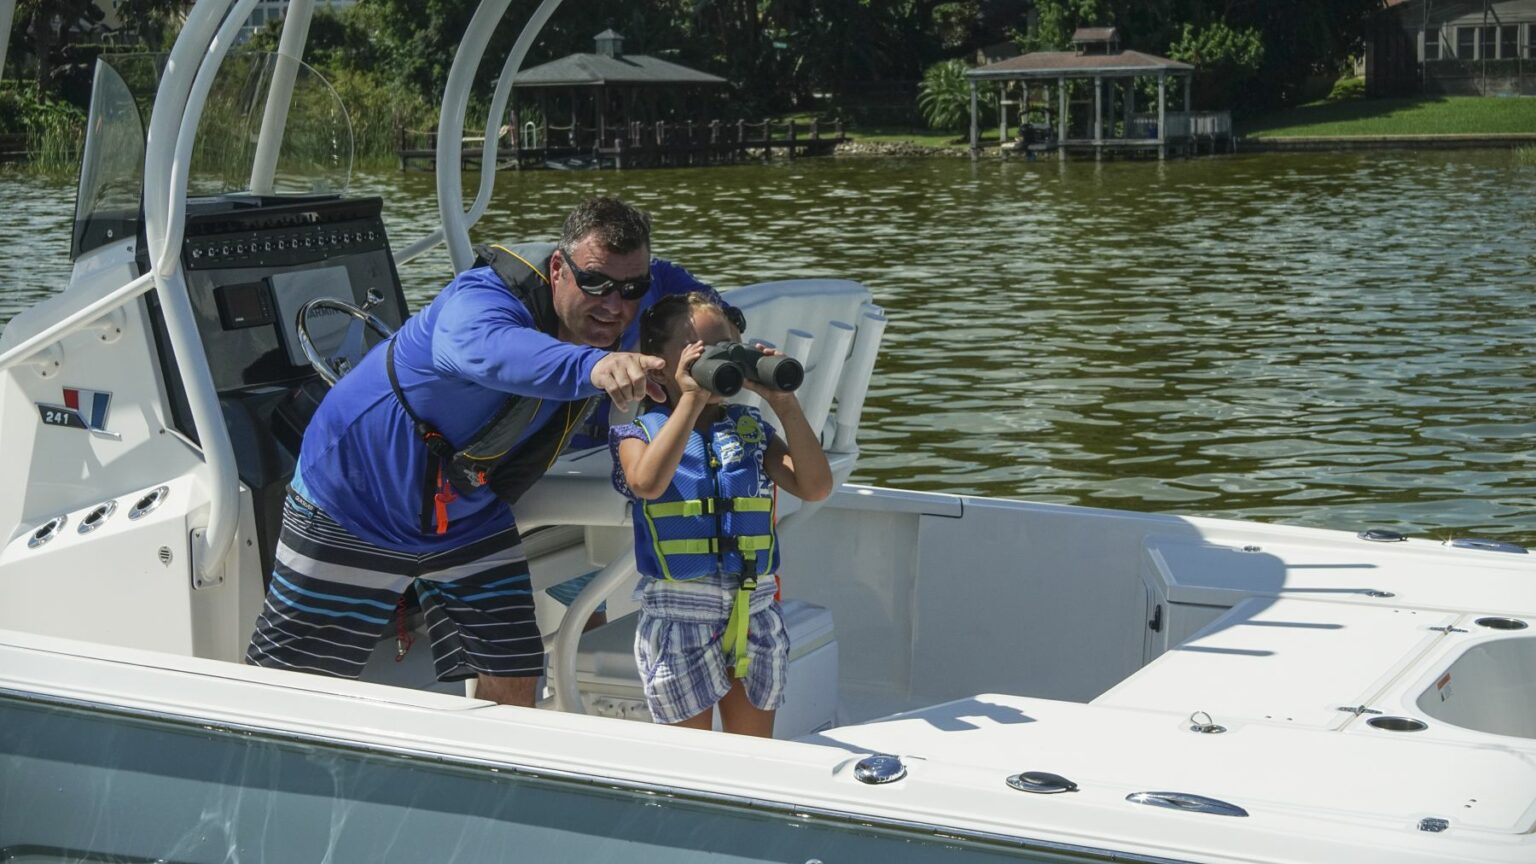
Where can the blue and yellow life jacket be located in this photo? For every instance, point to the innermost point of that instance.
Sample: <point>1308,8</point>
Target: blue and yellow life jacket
<point>716,518</point>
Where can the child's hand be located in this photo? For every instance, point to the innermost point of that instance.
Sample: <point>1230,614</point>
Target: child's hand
<point>691,353</point>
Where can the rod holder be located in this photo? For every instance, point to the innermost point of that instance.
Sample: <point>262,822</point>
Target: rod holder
<point>854,386</point>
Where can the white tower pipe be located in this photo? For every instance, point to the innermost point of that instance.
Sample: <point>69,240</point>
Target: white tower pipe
<point>178,105</point>
<point>509,70</point>
<point>854,387</point>
<point>274,118</point>
<point>450,131</point>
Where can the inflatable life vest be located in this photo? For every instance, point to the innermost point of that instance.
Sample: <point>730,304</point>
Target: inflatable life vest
<point>493,456</point>
<point>718,514</point>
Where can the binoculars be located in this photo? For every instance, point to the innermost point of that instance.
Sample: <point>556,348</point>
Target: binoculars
<point>725,366</point>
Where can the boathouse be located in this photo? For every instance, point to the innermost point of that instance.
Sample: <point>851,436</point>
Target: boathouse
<point>1086,100</point>
<point>582,104</point>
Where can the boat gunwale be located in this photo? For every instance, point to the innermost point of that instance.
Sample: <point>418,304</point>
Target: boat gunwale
<point>803,813</point>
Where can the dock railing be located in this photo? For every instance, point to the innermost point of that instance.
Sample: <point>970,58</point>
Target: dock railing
<point>637,144</point>
<point>1181,125</point>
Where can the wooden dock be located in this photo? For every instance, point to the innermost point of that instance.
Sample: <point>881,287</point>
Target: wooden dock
<point>640,145</point>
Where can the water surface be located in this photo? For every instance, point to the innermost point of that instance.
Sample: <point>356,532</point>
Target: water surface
<point>1337,340</point>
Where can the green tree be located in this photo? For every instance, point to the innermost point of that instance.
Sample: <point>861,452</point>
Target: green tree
<point>1272,46</point>
<point>1226,60</point>
<point>944,97</point>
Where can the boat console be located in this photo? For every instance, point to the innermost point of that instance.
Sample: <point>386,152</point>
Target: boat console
<point>253,265</point>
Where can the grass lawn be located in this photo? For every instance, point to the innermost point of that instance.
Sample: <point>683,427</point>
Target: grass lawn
<point>1424,115</point>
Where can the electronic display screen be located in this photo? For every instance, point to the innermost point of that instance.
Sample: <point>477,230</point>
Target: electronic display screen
<point>247,304</point>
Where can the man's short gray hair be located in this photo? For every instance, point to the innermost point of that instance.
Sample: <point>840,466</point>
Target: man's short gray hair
<point>618,227</point>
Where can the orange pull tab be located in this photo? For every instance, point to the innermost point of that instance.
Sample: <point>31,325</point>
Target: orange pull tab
<point>444,495</point>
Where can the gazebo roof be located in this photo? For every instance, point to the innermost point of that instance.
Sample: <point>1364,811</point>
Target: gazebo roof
<point>1096,34</point>
<point>593,70</point>
<point>1054,64</point>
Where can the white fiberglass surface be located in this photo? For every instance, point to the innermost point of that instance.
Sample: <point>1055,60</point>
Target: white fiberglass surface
<point>1490,687</point>
<point>84,785</point>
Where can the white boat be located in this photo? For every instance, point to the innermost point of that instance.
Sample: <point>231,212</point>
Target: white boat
<point>973,677</point>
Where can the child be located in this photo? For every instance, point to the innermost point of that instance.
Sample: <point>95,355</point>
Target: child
<point>702,475</point>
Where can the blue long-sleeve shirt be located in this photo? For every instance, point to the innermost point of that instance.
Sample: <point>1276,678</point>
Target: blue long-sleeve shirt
<point>458,360</point>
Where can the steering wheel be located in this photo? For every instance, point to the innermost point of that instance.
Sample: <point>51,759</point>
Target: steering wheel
<point>352,347</point>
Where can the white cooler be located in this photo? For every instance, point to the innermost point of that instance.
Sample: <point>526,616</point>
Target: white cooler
<point>610,682</point>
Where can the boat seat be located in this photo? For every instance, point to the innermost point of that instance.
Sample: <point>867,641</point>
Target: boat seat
<point>610,681</point>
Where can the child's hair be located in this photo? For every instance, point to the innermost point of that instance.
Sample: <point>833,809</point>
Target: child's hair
<point>659,321</point>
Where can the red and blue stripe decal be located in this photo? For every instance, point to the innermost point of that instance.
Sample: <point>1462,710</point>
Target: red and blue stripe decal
<point>90,404</point>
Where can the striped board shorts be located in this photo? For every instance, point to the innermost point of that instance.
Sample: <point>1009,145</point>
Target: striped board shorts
<point>333,596</point>
<point>680,649</point>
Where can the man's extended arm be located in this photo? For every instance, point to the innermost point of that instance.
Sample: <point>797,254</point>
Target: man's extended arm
<point>485,335</point>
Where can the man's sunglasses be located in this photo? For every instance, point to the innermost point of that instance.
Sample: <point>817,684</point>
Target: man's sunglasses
<point>600,284</point>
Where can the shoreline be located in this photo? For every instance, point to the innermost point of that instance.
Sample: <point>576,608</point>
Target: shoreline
<point>855,147</point>
<point>1285,144</point>
<point>1342,143</point>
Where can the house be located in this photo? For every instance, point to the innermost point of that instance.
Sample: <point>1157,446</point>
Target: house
<point>1453,47</point>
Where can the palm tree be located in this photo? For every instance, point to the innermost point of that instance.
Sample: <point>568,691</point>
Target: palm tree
<point>944,97</point>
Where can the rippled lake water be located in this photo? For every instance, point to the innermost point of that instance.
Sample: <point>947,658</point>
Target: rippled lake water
<point>1338,340</point>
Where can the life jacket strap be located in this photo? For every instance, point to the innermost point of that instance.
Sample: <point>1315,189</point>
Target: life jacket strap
<point>737,648</point>
<point>716,545</point>
<point>437,491</point>
<point>709,507</point>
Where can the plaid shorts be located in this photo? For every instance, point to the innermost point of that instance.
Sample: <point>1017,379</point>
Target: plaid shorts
<point>680,651</point>
<point>333,596</point>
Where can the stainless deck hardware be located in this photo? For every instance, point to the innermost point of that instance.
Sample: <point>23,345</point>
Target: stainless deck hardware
<point>1358,710</point>
<point>1434,824</point>
<point>1484,545</point>
<point>1497,623</point>
<point>148,502</point>
<point>1186,802</point>
<point>97,516</point>
<point>46,531</point>
<point>1041,783</point>
<point>1373,592</point>
<point>1382,535</point>
<point>1448,629</point>
<point>1397,724</point>
<point>1201,722</point>
<point>879,768</point>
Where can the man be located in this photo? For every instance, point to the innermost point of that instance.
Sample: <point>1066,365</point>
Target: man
<point>409,468</point>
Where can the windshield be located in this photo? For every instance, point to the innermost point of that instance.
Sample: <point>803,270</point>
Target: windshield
<point>315,156</point>
<point>81,784</point>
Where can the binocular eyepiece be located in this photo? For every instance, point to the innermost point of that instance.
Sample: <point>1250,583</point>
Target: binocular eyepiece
<point>725,366</point>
